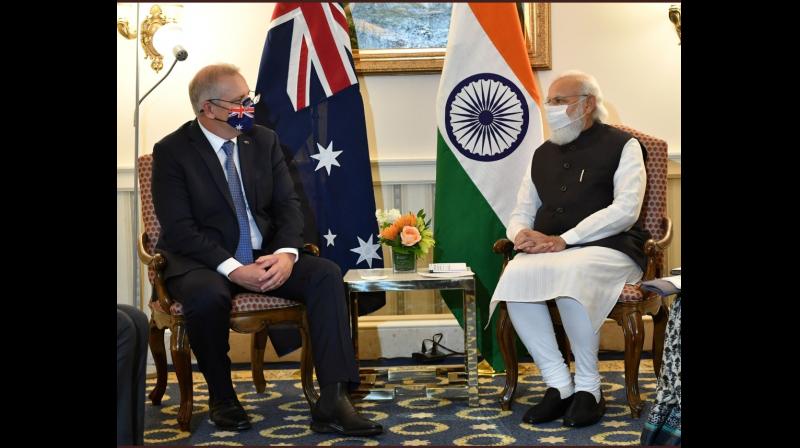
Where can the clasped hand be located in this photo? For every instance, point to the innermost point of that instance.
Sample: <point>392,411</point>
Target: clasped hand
<point>268,272</point>
<point>533,242</point>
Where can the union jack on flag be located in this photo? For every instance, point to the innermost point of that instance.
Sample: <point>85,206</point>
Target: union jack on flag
<point>310,97</point>
<point>240,110</point>
<point>319,39</point>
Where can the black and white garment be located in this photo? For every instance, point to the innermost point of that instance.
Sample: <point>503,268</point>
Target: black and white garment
<point>663,426</point>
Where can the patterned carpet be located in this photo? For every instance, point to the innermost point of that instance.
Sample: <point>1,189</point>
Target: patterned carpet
<point>281,417</point>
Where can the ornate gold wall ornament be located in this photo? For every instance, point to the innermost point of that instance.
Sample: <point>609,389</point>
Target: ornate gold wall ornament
<point>150,25</point>
<point>675,18</point>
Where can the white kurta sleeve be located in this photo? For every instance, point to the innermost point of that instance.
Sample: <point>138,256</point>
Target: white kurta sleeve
<point>528,202</point>
<point>630,181</point>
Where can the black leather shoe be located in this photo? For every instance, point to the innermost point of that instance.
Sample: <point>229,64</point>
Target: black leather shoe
<point>229,414</point>
<point>584,410</point>
<point>334,412</point>
<point>550,408</point>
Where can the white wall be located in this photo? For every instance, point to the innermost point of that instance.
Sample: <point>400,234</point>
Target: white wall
<point>215,32</point>
<point>632,49</point>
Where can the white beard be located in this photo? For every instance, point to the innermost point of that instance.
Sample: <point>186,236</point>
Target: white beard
<point>568,133</point>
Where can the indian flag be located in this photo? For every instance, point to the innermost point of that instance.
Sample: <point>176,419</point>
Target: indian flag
<point>489,123</point>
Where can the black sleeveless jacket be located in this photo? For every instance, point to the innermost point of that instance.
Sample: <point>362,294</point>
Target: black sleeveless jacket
<point>577,179</point>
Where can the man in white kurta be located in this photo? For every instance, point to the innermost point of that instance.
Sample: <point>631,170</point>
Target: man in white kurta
<point>589,253</point>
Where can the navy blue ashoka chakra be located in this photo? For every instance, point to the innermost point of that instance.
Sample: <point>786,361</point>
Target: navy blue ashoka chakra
<point>486,117</point>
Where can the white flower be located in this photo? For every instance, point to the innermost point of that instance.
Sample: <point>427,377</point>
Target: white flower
<point>392,215</point>
<point>386,217</point>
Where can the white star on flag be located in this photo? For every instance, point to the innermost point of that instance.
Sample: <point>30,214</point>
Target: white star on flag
<point>327,157</point>
<point>329,238</point>
<point>366,250</point>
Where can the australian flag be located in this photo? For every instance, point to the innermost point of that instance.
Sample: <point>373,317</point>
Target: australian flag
<point>310,97</point>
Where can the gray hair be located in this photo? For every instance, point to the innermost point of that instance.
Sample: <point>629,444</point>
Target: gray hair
<point>204,84</point>
<point>589,86</point>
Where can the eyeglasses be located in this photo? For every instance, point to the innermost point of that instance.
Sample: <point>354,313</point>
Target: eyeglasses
<point>240,102</point>
<point>559,100</point>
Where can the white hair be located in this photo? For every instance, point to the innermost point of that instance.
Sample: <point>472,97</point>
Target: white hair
<point>204,85</point>
<point>589,86</point>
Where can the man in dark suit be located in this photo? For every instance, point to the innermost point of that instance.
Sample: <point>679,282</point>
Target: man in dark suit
<point>231,221</point>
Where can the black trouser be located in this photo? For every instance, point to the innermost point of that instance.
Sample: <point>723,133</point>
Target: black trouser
<point>316,282</point>
<point>132,333</point>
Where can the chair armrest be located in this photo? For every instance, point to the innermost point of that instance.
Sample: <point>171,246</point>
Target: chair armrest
<point>311,247</point>
<point>145,257</point>
<point>157,262</point>
<point>504,247</point>
<point>652,248</point>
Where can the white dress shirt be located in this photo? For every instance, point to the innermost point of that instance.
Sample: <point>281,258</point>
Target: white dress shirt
<point>229,265</point>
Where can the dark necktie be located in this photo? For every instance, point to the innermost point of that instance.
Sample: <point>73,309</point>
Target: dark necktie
<point>244,251</point>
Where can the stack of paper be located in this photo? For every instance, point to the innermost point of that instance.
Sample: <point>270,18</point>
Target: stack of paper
<point>675,280</point>
<point>447,270</point>
<point>447,267</point>
<point>664,286</point>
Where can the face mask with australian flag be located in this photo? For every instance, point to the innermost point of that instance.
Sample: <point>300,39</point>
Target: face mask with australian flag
<point>242,116</point>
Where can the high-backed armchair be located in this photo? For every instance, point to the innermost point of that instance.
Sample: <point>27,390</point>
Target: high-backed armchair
<point>633,302</point>
<point>250,313</point>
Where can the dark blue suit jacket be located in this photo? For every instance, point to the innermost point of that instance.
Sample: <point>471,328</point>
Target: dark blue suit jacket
<point>198,221</point>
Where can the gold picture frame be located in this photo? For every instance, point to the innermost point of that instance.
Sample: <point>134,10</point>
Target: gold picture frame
<point>536,29</point>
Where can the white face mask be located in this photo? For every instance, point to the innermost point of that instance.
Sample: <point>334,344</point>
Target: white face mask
<point>557,116</point>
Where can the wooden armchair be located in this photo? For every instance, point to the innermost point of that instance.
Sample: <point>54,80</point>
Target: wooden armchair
<point>633,302</point>
<point>250,313</point>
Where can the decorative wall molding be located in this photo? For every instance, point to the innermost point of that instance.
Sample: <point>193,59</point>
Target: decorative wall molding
<point>407,171</point>
<point>674,155</point>
<point>403,171</point>
<point>384,172</point>
<point>125,178</point>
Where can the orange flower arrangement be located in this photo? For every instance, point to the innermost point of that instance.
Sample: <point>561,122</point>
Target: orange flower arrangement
<point>405,233</point>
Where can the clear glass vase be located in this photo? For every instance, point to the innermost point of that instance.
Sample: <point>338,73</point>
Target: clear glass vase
<point>403,262</point>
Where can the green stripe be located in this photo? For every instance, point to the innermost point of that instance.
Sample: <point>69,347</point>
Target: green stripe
<point>466,228</point>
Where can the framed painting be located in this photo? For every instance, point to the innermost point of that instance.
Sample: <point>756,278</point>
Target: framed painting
<point>412,37</point>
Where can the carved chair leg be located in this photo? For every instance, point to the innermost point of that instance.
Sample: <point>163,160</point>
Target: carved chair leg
<point>506,337</point>
<point>156,342</point>
<point>659,330</point>
<point>258,344</point>
<point>182,360</point>
<point>633,331</point>
<point>307,365</point>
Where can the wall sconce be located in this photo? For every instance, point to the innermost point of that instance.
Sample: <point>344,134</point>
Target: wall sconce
<point>159,32</point>
<point>675,18</point>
